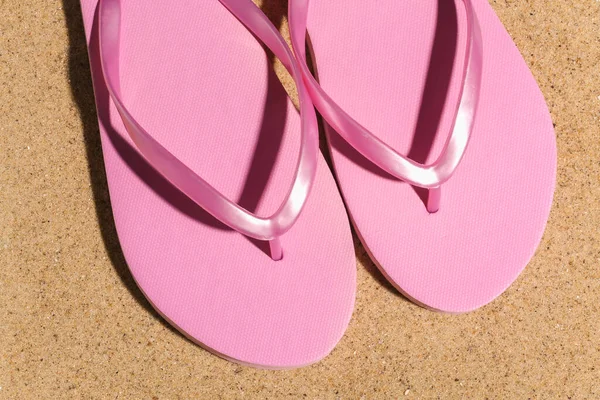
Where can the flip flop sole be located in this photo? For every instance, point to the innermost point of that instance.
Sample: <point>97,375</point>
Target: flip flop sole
<point>202,85</point>
<point>395,67</point>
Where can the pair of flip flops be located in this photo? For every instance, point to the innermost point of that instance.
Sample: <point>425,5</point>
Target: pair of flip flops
<point>444,154</point>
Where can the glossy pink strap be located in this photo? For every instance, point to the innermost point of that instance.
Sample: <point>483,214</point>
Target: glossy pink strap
<point>426,176</point>
<point>183,177</point>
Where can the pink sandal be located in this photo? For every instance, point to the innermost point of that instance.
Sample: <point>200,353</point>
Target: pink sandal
<point>375,65</point>
<point>192,74</point>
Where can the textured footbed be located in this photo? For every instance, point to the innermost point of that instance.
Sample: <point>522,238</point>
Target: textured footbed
<point>197,80</point>
<point>404,87</point>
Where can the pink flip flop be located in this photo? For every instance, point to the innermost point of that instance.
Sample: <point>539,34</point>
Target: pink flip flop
<point>193,75</point>
<point>483,139</point>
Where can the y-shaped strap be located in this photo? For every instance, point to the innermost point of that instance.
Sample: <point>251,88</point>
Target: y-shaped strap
<point>430,176</point>
<point>183,177</point>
